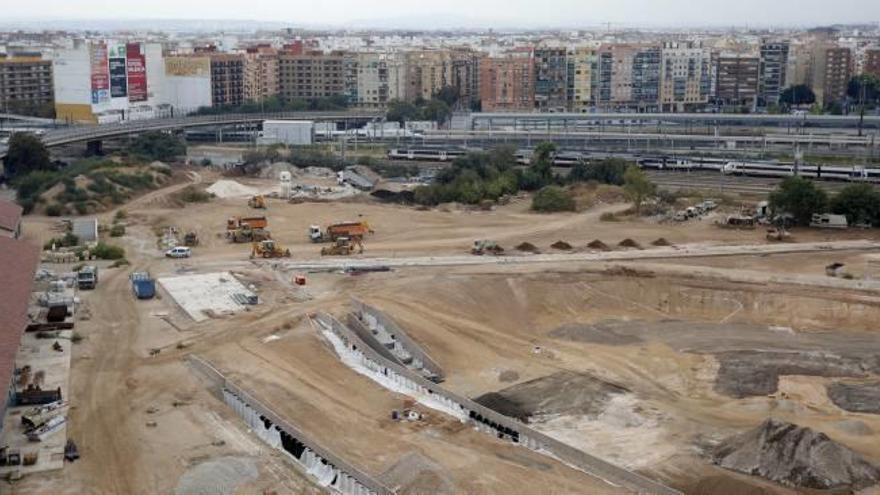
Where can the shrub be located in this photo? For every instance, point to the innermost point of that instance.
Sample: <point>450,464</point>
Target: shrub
<point>120,263</point>
<point>118,230</point>
<point>120,215</point>
<point>552,199</point>
<point>55,210</point>
<point>608,217</point>
<point>192,194</point>
<point>108,252</point>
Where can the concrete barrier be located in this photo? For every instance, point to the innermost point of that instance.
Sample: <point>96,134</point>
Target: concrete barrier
<point>323,466</point>
<point>404,380</point>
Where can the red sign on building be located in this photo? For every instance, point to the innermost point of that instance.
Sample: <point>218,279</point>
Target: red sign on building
<point>136,66</point>
<point>100,74</point>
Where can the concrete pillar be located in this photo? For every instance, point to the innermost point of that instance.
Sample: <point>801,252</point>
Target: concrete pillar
<point>95,148</point>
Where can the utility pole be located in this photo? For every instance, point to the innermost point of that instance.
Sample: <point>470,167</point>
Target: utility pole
<point>862,89</point>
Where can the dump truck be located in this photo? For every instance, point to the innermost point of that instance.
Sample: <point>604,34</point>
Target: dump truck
<point>257,202</point>
<point>87,277</point>
<point>352,230</point>
<point>247,234</point>
<point>269,249</point>
<point>482,247</point>
<point>143,286</point>
<point>235,223</point>
<point>343,246</point>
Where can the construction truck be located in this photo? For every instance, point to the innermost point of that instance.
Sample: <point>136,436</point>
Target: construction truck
<point>269,249</point>
<point>235,223</point>
<point>191,239</point>
<point>258,202</point>
<point>87,277</point>
<point>482,247</point>
<point>343,246</point>
<point>351,230</point>
<point>245,234</point>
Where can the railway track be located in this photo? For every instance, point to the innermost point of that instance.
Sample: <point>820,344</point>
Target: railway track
<point>727,183</point>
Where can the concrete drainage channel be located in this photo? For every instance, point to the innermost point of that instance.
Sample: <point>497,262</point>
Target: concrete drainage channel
<point>388,372</point>
<point>325,468</point>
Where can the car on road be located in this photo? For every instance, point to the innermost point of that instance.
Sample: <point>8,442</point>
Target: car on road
<point>179,252</point>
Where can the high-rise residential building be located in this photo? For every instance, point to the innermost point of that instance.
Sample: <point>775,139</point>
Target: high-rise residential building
<point>736,80</point>
<point>227,79</point>
<point>507,83</point>
<point>830,72</point>
<point>428,71</point>
<point>465,77</point>
<point>872,62</point>
<point>26,85</point>
<point>772,74</point>
<point>314,75</point>
<point>551,79</point>
<point>260,73</point>
<point>381,77</point>
<point>582,69</point>
<point>684,76</point>
<point>627,77</point>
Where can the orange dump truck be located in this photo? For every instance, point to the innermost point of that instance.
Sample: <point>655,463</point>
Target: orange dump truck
<point>236,223</point>
<point>352,230</point>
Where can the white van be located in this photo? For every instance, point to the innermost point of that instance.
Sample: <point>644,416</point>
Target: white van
<point>179,252</point>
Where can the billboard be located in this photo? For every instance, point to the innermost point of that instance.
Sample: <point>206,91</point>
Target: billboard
<point>118,77</point>
<point>136,69</point>
<point>188,66</point>
<point>100,75</point>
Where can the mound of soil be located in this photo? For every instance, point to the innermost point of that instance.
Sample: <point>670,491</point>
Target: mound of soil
<point>561,245</point>
<point>598,245</point>
<point>563,393</point>
<point>528,247</point>
<point>661,242</point>
<point>600,333</point>
<point>629,243</point>
<point>725,485</point>
<point>852,397</point>
<point>796,456</point>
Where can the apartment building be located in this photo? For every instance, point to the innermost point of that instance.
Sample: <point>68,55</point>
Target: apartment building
<point>684,79</point>
<point>261,79</point>
<point>381,77</point>
<point>627,77</point>
<point>26,86</point>
<point>507,83</point>
<point>582,69</point>
<point>551,79</point>
<point>465,76</point>
<point>737,80</point>
<point>428,71</point>
<point>872,62</point>
<point>830,72</point>
<point>227,79</point>
<point>773,69</point>
<point>313,75</point>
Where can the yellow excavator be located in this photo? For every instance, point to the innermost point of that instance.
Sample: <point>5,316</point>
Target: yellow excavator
<point>344,246</point>
<point>269,249</point>
<point>258,202</point>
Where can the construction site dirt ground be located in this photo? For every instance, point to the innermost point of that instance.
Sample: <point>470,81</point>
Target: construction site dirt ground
<point>647,349</point>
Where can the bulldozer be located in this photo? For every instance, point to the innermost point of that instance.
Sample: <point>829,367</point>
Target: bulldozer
<point>343,246</point>
<point>269,249</point>
<point>246,234</point>
<point>258,202</point>
<point>191,239</point>
<point>482,247</point>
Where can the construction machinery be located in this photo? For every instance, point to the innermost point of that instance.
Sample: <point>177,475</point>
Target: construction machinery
<point>482,247</point>
<point>269,249</point>
<point>235,223</point>
<point>352,230</point>
<point>191,239</point>
<point>247,234</point>
<point>344,246</point>
<point>258,202</point>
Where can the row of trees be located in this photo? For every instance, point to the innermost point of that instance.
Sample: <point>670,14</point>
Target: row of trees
<point>801,198</point>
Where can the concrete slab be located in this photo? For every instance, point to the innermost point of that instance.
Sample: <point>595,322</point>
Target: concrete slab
<point>205,294</point>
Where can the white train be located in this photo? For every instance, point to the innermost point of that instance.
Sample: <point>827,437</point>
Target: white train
<point>819,172</point>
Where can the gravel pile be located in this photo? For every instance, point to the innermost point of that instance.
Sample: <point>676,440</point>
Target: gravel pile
<point>220,476</point>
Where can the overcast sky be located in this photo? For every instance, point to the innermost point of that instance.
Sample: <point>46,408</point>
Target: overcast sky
<point>490,13</point>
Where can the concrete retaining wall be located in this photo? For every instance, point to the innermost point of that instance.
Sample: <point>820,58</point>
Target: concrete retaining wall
<point>483,418</point>
<point>371,317</point>
<point>324,467</point>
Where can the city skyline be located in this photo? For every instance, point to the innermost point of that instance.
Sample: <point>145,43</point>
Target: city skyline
<point>456,13</point>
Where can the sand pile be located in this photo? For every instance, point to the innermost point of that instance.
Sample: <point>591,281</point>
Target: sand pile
<point>795,456</point>
<point>528,247</point>
<point>598,246</point>
<point>231,189</point>
<point>661,242</point>
<point>629,243</point>
<point>561,245</point>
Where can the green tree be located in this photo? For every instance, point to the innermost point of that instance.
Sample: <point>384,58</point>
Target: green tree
<point>800,94</point>
<point>551,199</point>
<point>859,202</point>
<point>401,111</point>
<point>449,95</point>
<point>157,145</point>
<point>867,82</point>
<point>542,162</point>
<point>503,157</point>
<point>609,171</point>
<point>26,154</point>
<point>637,187</point>
<point>437,111</point>
<point>800,198</point>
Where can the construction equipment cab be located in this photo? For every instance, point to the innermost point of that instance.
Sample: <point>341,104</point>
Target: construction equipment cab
<point>352,230</point>
<point>257,202</point>
<point>269,249</point>
<point>87,277</point>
